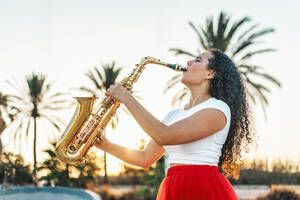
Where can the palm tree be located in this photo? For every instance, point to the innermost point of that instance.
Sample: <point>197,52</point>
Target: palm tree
<point>101,82</point>
<point>34,102</point>
<point>3,106</point>
<point>239,42</point>
<point>5,113</point>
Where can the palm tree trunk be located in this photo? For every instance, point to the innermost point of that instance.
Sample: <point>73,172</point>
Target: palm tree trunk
<point>105,170</point>
<point>105,181</point>
<point>34,151</point>
<point>2,124</point>
<point>0,147</point>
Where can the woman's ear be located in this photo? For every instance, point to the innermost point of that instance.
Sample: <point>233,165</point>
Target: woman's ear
<point>211,74</point>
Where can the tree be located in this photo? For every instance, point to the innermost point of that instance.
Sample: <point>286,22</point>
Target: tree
<point>62,174</point>
<point>3,107</point>
<point>240,43</point>
<point>136,172</point>
<point>5,114</point>
<point>280,193</point>
<point>17,172</point>
<point>101,81</point>
<point>152,179</point>
<point>33,101</point>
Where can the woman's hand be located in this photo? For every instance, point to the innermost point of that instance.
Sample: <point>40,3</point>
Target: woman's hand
<point>118,92</point>
<point>101,142</point>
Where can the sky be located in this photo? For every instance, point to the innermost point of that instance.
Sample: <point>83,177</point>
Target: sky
<point>65,38</point>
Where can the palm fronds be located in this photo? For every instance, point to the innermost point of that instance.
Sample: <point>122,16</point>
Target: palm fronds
<point>240,43</point>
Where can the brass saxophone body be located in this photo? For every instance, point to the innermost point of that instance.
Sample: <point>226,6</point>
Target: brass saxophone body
<point>81,132</point>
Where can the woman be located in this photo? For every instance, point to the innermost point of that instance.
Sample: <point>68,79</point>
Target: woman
<point>203,140</point>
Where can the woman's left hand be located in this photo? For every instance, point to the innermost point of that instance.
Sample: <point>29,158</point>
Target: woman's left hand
<point>118,92</point>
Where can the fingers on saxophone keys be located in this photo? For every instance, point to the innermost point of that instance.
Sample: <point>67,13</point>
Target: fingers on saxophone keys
<point>108,93</point>
<point>109,90</point>
<point>130,90</point>
<point>100,133</point>
<point>98,140</point>
<point>100,137</point>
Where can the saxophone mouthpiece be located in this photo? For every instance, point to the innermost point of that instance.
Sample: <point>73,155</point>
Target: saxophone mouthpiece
<point>177,67</point>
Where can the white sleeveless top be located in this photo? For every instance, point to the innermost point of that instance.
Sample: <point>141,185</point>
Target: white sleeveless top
<point>205,151</point>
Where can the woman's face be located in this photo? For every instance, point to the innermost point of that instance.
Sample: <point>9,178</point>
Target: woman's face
<point>197,70</point>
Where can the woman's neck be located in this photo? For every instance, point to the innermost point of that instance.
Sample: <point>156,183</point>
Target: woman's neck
<point>198,95</point>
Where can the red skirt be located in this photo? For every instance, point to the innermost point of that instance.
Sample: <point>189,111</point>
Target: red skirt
<point>195,182</point>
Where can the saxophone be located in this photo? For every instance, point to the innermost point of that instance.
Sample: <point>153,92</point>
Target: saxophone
<point>83,129</point>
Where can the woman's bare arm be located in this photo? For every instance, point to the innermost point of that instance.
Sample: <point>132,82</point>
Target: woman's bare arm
<point>142,158</point>
<point>199,125</point>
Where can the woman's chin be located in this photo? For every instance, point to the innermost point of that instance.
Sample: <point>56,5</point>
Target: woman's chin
<point>184,82</point>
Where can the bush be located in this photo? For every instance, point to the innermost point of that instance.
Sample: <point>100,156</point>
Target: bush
<point>128,196</point>
<point>14,171</point>
<point>281,194</point>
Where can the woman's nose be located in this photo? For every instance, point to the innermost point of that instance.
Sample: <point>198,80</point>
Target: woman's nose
<point>189,62</point>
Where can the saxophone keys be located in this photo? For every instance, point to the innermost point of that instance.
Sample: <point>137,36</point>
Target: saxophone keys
<point>72,149</point>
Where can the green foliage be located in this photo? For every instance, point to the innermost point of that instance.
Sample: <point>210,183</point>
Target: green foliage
<point>128,196</point>
<point>281,194</point>
<point>106,194</point>
<point>146,193</point>
<point>3,108</point>
<point>17,172</point>
<point>152,180</point>
<point>134,173</point>
<point>6,114</point>
<point>62,174</point>
<point>258,177</point>
<point>263,172</point>
<point>124,179</point>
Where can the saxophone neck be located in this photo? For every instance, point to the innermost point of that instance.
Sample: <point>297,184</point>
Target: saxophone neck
<point>151,60</point>
<point>135,74</point>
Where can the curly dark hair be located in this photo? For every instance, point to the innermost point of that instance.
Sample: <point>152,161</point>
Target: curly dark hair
<point>227,85</point>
